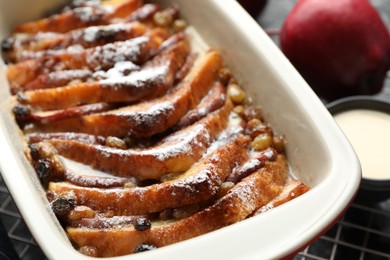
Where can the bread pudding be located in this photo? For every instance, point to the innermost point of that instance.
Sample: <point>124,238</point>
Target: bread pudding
<point>140,138</point>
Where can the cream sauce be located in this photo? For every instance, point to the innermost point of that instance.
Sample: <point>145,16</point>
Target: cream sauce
<point>369,133</point>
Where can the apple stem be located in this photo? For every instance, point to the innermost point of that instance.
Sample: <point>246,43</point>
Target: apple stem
<point>272,31</point>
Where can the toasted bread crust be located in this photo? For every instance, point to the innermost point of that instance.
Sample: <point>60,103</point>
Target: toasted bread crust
<point>151,117</point>
<point>81,17</point>
<point>250,194</point>
<point>150,81</point>
<point>173,154</point>
<point>199,183</point>
<point>136,50</point>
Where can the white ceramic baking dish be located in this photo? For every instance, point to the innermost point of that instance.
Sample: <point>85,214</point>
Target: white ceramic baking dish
<point>318,152</point>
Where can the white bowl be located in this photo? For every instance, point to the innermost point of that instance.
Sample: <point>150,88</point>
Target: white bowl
<point>318,152</point>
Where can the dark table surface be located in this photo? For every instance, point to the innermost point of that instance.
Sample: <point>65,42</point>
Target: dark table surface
<point>363,232</point>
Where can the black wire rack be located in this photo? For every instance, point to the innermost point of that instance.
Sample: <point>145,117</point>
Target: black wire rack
<point>362,233</point>
<point>17,230</point>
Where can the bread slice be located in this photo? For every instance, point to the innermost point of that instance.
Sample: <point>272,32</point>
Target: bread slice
<point>82,16</point>
<point>243,199</point>
<point>200,183</point>
<point>148,118</point>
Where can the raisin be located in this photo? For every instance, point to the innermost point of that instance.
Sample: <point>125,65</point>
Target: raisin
<point>115,142</point>
<point>21,112</point>
<point>62,206</point>
<point>7,44</point>
<point>104,35</point>
<point>144,247</point>
<point>236,93</point>
<point>44,170</point>
<point>142,224</point>
<point>34,152</point>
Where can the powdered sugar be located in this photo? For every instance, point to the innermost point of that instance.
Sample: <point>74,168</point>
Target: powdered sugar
<point>94,33</point>
<point>138,79</point>
<point>88,14</point>
<point>150,116</point>
<point>120,69</point>
<point>207,176</point>
<point>224,137</point>
<point>108,55</point>
<point>265,208</point>
<point>66,75</point>
<point>246,192</point>
<point>182,144</point>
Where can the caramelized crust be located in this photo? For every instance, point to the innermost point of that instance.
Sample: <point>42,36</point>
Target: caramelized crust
<point>293,188</point>
<point>149,118</point>
<point>253,192</point>
<point>90,139</point>
<point>211,102</point>
<point>86,38</point>
<point>52,116</point>
<point>201,182</point>
<point>136,50</point>
<point>51,167</point>
<point>124,86</point>
<point>81,17</point>
<point>57,79</point>
<point>173,154</point>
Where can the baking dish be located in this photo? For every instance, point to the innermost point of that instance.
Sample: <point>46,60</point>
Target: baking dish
<point>317,151</point>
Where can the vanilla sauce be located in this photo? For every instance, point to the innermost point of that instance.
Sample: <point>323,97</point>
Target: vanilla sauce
<point>369,133</point>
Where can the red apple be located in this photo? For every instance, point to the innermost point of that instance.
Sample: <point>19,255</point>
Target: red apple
<point>340,47</point>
